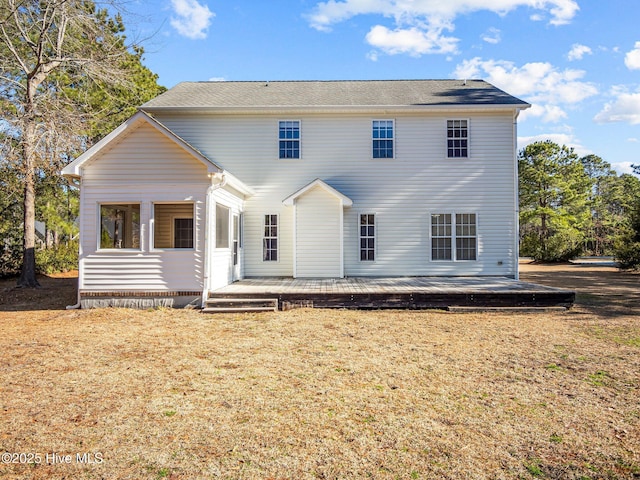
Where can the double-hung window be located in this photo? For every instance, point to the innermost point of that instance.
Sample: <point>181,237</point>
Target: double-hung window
<point>457,138</point>
<point>367,237</point>
<point>382,136</point>
<point>289,138</point>
<point>270,239</point>
<point>466,243</point>
<point>441,236</point>
<point>454,236</point>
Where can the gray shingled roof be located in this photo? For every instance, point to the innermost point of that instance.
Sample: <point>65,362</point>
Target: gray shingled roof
<point>348,93</point>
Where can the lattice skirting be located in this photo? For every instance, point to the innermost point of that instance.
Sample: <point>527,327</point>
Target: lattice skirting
<point>140,299</point>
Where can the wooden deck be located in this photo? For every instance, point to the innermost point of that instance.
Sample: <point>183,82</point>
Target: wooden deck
<point>397,292</point>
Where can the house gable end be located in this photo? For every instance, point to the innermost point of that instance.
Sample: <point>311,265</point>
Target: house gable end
<point>344,200</point>
<point>118,137</point>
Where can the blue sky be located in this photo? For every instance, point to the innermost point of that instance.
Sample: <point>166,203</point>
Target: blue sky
<point>576,61</point>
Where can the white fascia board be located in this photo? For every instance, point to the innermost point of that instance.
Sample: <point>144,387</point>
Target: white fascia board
<point>290,200</point>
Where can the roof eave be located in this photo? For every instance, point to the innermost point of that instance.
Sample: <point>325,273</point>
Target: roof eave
<point>333,108</point>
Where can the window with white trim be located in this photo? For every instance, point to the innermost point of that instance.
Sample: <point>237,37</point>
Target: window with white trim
<point>458,229</point>
<point>457,138</point>
<point>382,137</point>
<point>289,138</point>
<point>222,226</point>
<point>236,238</point>
<point>466,242</point>
<point>173,225</point>
<point>120,226</point>
<point>270,239</point>
<point>367,237</point>
<point>441,236</point>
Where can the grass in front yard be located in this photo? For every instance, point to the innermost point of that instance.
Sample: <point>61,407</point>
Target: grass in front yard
<point>321,394</point>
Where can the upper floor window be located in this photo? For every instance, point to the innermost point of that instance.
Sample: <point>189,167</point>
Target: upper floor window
<point>120,225</point>
<point>457,138</point>
<point>289,138</point>
<point>382,138</point>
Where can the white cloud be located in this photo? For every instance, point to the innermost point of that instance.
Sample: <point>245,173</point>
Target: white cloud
<point>412,41</point>
<point>624,108</point>
<point>578,51</point>
<point>217,79</point>
<point>623,167</point>
<point>566,139</point>
<point>632,58</point>
<point>547,113</point>
<point>420,25</point>
<point>492,36</point>
<point>191,19</point>
<point>546,87</point>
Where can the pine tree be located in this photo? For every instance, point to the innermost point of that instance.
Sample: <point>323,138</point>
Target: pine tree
<point>65,76</point>
<point>554,193</point>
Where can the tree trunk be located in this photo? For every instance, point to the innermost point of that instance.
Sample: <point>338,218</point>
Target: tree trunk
<point>28,275</point>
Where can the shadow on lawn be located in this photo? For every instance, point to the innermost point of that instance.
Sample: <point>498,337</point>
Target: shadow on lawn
<point>605,291</point>
<point>55,293</point>
<point>601,289</point>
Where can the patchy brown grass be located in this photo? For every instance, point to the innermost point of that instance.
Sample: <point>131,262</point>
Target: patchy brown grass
<point>325,394</point>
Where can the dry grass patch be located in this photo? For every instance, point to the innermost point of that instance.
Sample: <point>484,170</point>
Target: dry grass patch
<point>322,394</point>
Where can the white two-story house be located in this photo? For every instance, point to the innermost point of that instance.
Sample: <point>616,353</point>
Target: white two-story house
<point>212,182</point>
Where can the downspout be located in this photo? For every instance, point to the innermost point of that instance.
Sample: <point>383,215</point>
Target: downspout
<point>517,195</point>
<point>78,304</point>
<point>207,267</point>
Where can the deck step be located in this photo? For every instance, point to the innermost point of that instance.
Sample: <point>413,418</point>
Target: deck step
<point>236,305</point>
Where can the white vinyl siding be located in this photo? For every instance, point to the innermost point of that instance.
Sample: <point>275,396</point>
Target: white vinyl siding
<point>337,149</point>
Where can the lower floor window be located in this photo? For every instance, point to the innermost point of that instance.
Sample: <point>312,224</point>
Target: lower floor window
<point>270,239</point>
<point>466,236</point>
<point>120,226</point>
<point>173,225</point>
<point>183,233</point>
<point>367,237</point>
<point>448,230</point>
<point>222,226</point>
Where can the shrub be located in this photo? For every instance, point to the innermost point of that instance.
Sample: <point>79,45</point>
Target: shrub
<point>562,246</point>
<point>627,255</point>
<point>627,245</point>
<point>61,258</point>
<point>10,255</point>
